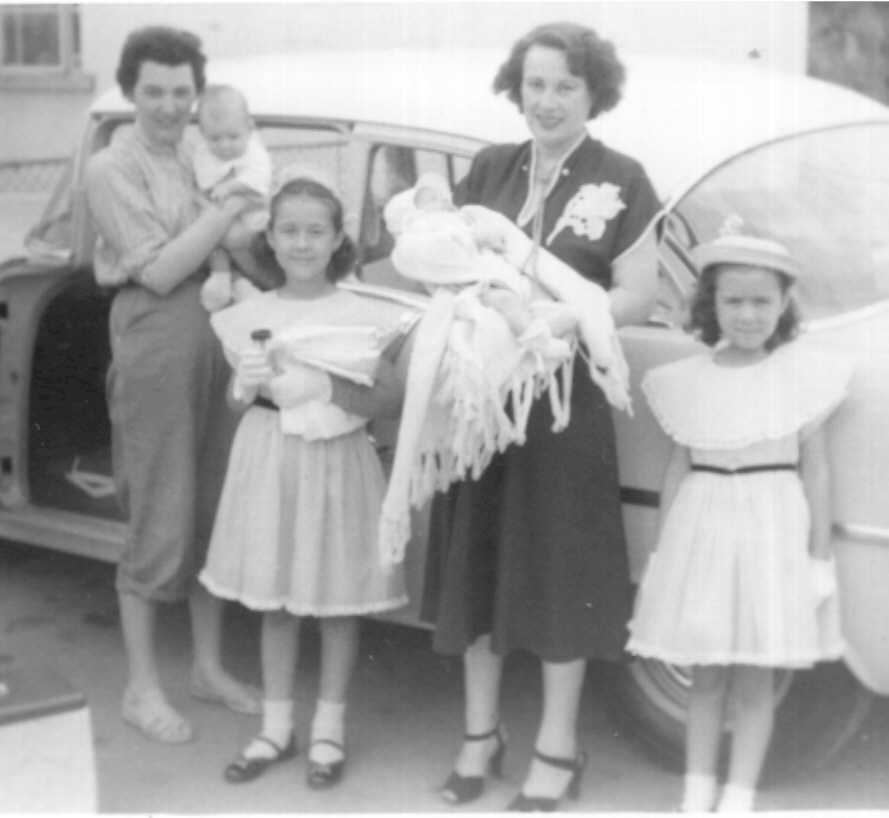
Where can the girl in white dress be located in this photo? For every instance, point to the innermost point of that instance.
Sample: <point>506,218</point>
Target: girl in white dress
<point>295,531</point>
<point>741,581</point>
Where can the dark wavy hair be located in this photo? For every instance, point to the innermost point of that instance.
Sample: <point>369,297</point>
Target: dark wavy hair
<point>343,259</point>
<point>702,320</point>
<point>588,56</point>
<point>164,45</point>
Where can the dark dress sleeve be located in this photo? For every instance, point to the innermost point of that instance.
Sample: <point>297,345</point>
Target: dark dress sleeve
<point>642,206</point>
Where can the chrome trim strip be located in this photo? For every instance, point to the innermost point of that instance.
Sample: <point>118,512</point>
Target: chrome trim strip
<point>862,533</point>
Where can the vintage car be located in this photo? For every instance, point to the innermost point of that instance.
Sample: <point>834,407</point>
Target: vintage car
<point>797,159</point>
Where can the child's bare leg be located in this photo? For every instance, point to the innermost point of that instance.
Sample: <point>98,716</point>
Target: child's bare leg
<point>753,697</point>
<point>279,647</point>
<point>706,710</point>
<point>339,650</point>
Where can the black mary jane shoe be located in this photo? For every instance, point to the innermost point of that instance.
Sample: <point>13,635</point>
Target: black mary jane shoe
<point>539,803</point>
<point>323,775</point>
<point>245,768</point>
<point>461,789</point>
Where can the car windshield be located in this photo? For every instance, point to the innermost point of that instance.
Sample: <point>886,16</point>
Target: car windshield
<point>825,194</point>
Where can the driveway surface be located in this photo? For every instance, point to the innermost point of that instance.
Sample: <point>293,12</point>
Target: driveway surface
<point>404,721</point>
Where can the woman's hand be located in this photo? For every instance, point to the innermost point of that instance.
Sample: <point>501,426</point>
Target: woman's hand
<point>228,188</point>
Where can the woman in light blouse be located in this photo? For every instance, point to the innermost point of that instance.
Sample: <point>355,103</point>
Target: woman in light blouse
<point>170,424</point>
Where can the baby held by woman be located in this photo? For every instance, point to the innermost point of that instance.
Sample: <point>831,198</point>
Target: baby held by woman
<point>502,327</point>
<point>230,156</point>
<point>443,246</point>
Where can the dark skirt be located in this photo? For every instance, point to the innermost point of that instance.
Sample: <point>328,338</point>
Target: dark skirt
<point>534,551</point>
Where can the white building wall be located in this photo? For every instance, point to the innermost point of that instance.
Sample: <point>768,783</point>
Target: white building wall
<point>38,125</point>
<point>776,31</point>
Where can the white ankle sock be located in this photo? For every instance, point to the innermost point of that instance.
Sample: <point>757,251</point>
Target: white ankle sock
<point>736,799</point>
<point>277,726</point>
<point>699,793</point>
<point>328,723</point>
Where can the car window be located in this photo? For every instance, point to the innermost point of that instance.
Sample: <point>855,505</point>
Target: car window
<point>392,169</point>
<point>825,194</point>
<point>676,274</point>
<point>325,149</point>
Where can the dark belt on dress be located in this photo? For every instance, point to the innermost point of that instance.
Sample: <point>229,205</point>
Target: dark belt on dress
<point>745,469</point>
<point>265,403</point>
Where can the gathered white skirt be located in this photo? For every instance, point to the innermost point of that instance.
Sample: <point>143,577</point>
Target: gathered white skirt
<point>296,526</point>
<point>731,579</point>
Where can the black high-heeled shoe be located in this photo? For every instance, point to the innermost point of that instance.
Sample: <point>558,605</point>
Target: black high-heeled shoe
<point>539,803</point>
<point>460,789</point>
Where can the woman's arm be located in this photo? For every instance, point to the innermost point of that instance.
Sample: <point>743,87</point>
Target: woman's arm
<point>634,287</point>
<point>815,475</point>
<point>130,224</point>
<point>183,254</point>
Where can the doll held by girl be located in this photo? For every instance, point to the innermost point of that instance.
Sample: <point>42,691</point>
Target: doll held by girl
<point>741,581</point>
<point>294,532</point>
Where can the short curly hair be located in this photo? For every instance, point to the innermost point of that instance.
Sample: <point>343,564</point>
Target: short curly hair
<point>703,321</point>
<point>164,45</point>
<point>587,55</point>
<point>343,259</point>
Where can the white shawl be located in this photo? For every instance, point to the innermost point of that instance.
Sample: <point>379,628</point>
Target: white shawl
<point>467,366</point>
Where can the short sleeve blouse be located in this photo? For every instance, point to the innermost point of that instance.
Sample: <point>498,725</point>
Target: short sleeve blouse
<point>599,207</point>
<point>139,197</point>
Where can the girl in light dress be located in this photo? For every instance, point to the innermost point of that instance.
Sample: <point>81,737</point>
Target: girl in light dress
<point>742,580</point>
<point>295,530</point>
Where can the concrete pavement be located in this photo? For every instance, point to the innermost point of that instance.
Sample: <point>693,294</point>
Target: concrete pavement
<point>404,721</point>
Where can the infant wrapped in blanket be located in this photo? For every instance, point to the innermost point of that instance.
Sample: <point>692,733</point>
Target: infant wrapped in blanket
<point>491,341</point>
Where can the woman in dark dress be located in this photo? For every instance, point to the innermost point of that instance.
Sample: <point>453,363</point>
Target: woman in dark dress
<point>532,555</point>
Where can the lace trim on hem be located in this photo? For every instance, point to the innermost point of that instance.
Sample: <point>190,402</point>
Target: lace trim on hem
<point>356,609</point>
<point>796,662</point>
